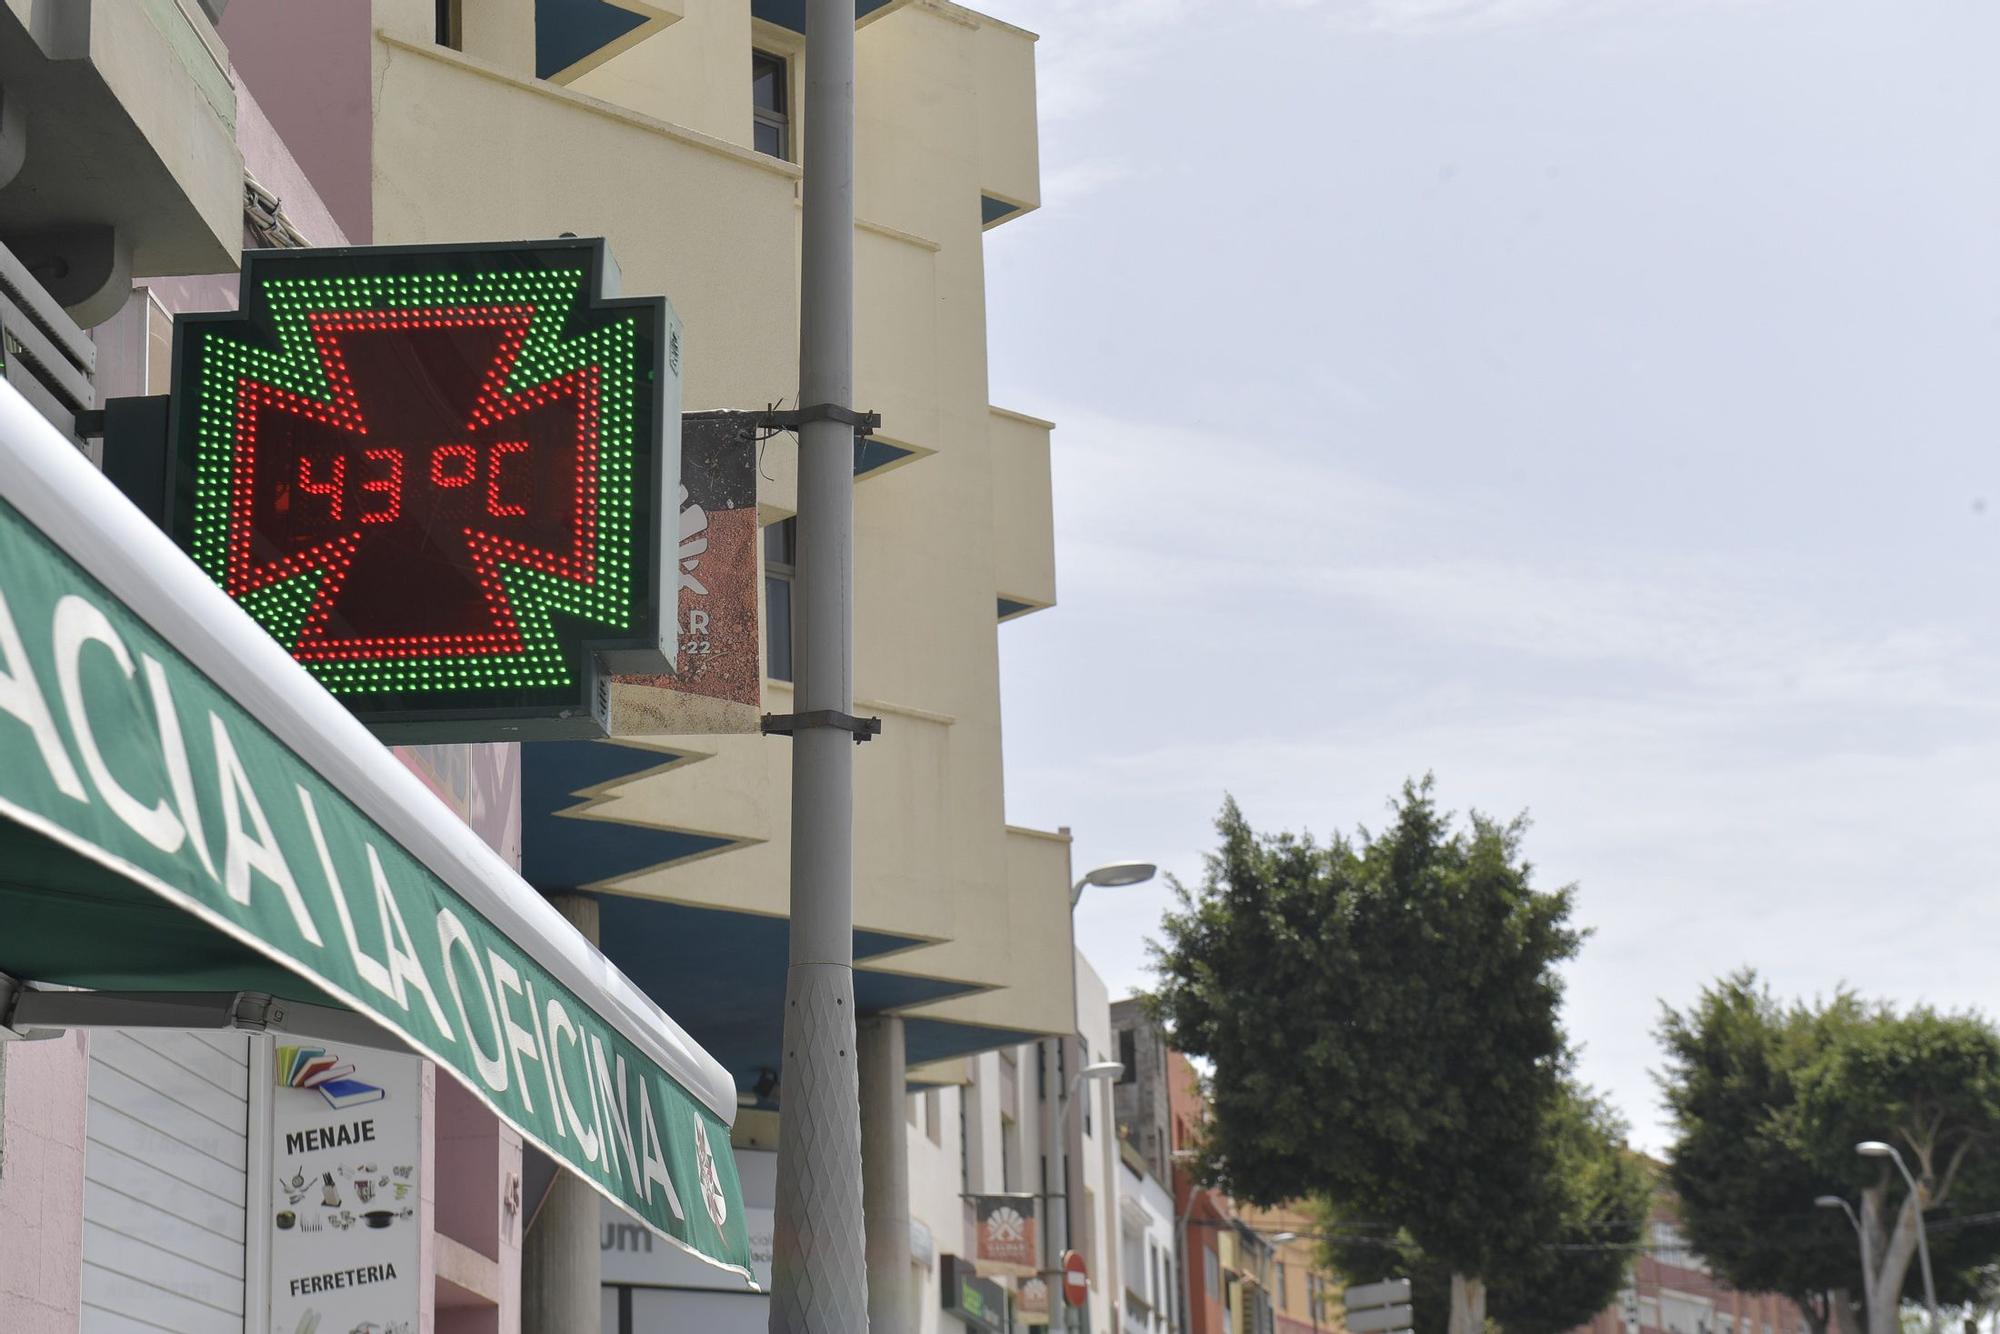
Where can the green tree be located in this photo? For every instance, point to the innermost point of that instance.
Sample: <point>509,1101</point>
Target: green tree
<point>1382,1020</point>
<point>1589,1207</point>
<point>1769,1102</point>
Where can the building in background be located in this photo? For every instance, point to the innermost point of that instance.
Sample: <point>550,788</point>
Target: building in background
<point>1149,1259</point>
<point>1671,1290</point>
<point>1304,1295</point>
<point>1240,1270</point>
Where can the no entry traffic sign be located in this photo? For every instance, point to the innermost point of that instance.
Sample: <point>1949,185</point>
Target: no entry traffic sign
<point>1075,1279</point>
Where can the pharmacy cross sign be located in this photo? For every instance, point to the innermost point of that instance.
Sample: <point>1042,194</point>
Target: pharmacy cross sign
<point>436,475</point>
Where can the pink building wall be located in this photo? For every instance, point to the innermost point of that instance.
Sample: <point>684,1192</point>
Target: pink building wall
<point>308,64</point>
<point>42,1091</point>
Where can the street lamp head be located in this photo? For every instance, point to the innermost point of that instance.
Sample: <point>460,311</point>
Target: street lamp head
<point>1115,874</point>
<point>1830,1202</point>
<point>1102,1070</point>
<point>1875,1148</point>
<point>1280,1238</point>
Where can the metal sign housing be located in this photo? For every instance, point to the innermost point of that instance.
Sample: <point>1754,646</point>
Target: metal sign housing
<point>439,475</point>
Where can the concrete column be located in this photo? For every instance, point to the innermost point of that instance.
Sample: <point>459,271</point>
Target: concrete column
<point>560,1267</point>
<point>885,1176</point>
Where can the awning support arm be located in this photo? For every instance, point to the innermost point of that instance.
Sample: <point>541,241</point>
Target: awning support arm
<point>29,1013</point>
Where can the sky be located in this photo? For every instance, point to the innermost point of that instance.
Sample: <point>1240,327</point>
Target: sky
<point>1590,402</point>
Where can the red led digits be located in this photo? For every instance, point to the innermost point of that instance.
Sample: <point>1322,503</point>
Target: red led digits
<point>390,486</point>
<point>494,505</point>
<point>454,466</point>
<point>332,484</point>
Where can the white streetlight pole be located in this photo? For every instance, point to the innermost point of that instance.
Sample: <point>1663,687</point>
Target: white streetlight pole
<point>1113,875</point>
<point>1875,1148</point>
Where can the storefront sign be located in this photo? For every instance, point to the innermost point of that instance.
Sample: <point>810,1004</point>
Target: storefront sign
<point>717,686</point>
<point>346,1155</point>
<point>439,477</point>
<point>1006,1234</point>
<point>1031,1301</point>
<point>979,1302</point>
<point>148,785</point>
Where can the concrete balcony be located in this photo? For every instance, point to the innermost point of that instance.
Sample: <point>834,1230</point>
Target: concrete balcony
<point>1024,540</point>
<point>1010,167</point>
<point>117,146</point>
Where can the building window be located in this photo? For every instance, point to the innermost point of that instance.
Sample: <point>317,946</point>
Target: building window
<point>771,103</point>
<point>450,25</point>
<point>781,554</point>
<point>965,1141</point>
<point>1010,1154</point>
<point>1128,1056</point>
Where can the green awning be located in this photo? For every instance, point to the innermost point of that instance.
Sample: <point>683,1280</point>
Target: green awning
<point>183,809</point>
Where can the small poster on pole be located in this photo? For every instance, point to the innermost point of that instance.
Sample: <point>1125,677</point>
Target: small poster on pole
<point>1006,1235</point>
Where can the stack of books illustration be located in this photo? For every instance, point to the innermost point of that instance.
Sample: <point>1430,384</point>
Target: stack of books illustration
<point>318,1068</point>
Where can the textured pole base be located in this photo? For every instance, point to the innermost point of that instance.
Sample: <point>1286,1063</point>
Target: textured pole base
<point>819,1279</point>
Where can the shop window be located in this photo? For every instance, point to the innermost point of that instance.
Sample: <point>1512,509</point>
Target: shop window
<point>781,553</point>
<point>771,103</point>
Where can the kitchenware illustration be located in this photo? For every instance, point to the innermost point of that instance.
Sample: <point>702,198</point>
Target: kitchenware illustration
<point>342,1220</point>
<point>402,1189</point>
<point>330,1196</point>
<point>286,1218</point>
<point>308,1323</point>
<point>310,1223</point>
<point>403,1171</point>
<point>379,1217</point>
<point>364,1188</point>
<point>297,1181</point>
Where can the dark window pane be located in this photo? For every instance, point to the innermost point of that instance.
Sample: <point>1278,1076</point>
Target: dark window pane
<point>781,542</point>
<point>770,140</point>
<point>778,628</point>
<point>767,82</point>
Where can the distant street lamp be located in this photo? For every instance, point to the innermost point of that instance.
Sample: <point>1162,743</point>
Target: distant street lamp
<point>1875,1148</point>
<point>1112,875</point>
<point>1867,1262</point>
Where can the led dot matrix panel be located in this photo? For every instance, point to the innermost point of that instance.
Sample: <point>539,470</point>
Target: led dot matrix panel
<point>437,475</point>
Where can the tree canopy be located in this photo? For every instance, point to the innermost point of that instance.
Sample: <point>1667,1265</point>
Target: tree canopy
<point>1383,1020</point>
<point>1593,1198</point>
<point>1769,1102</point>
